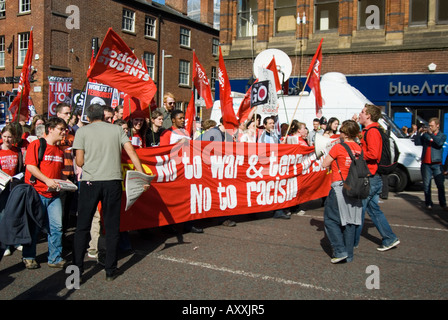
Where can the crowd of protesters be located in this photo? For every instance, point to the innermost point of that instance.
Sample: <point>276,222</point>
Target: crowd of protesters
<point>75,149</point>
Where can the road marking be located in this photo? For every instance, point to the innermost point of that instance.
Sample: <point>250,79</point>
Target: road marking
<point>392,224</point>
<point>261,276</point>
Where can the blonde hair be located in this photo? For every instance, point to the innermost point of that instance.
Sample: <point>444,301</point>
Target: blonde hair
<point>168,95</point>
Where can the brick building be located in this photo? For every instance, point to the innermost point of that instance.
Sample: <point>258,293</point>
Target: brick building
<point>64,30</point>
<point>393,51</point>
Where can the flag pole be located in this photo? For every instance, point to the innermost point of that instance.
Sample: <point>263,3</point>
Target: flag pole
<point>300,98</point>
<point>20,105</point>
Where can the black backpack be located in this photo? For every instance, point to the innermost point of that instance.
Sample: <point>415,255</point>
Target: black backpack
<point>389,154</point>
<point>357,183</point>
<point>40,156</point>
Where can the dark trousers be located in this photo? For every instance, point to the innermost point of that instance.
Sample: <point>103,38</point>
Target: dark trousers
<point>90,194</point>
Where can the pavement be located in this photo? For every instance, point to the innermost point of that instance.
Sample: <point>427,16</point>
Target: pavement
<point>259,261</point>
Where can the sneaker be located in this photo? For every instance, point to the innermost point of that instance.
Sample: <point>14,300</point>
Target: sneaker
<point>92,253</point>
<point>385,248</point>
<point>20,248</point>
<point>30,264</point>
<point>7,252</point>
<point>60,264</point>
<point>301,213</point>
<point>337,260</point>
<point>429,207</point>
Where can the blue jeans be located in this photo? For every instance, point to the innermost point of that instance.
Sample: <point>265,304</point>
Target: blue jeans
<point>428,171</point>
<point>53,209</point>
<point>341,237</point>
<point>370,204</point>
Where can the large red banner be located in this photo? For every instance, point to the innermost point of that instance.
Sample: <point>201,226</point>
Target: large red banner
<point>201,179</point>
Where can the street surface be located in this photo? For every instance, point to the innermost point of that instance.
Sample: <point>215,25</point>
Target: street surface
<point>260,259</point>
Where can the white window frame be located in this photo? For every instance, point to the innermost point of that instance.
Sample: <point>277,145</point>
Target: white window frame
<point>23,44</point>
<point>215,46</point>
<point>185,37</point>
<point>184,72</point>
<point>128,20</point>
<point>213,78</point>
<point>319,21</point>
<point>2,51</point>
<point>285,9</point>
<point>150,27</point>
<point>247,18</point>
<point>2,8</point>
<point>149,60</point>
<point>24,6</point>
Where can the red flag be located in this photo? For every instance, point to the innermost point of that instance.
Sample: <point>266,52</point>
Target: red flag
<point>118,67</point>
<point>190,115</point>
<point>132,106</point>
<point>314,78</point>
<point>229,119</point>
<point>273,67</point>
<point>201,82</point>
<point>244,109</point>
<point>20,102</point>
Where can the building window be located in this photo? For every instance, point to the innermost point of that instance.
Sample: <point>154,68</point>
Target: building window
<point>326,15</point>
<point>442,11</point>
<point>215,46</point>
<point>184,73</point>
<point>149,60</point>
<point>371,14</point>
<point>2,8</point>
<point>185,37</point>
<point>24,39</point>
<point>418,12</point>
<point>2,51</point>
<point>24,6</point>
<point>213,78</point>
<point>285,16</point>
<point>247,18</point>
<point>150,27</point>
<point>128,23</point>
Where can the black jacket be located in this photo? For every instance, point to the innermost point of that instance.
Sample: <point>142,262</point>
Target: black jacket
<point>23,208</point>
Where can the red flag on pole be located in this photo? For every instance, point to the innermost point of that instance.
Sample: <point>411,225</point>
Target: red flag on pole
<point>132,105</point>
<point>314,78</point>
<point>20,102</point>
<point>201,82</point>
<point>117,66</point>
<point>273,67</point>
<point>244,109</point>
<point>229,119</point>
<point>190,115</point>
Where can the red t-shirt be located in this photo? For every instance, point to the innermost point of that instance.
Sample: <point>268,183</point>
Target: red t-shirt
<point>9,160</point>
<point>373,148</point>
<point>427,158</point>
<point>339,154</point>
<point>51,166</point>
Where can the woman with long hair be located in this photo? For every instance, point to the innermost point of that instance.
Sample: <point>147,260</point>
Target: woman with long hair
<point>137,129</point>
<point>332,128</point>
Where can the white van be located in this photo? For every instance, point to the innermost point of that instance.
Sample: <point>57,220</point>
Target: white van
<point>342,101</point>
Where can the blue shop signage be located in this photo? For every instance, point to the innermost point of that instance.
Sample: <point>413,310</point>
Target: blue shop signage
<point>409,89</point>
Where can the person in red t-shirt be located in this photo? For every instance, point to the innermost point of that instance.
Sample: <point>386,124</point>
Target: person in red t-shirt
<point>45,173</point>
<point>11,162</point>
<point>9,154</point>
<point>372,145</point>
<point>342,214</point>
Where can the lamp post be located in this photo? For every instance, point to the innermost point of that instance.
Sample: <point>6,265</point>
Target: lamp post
<point>162,84</point>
